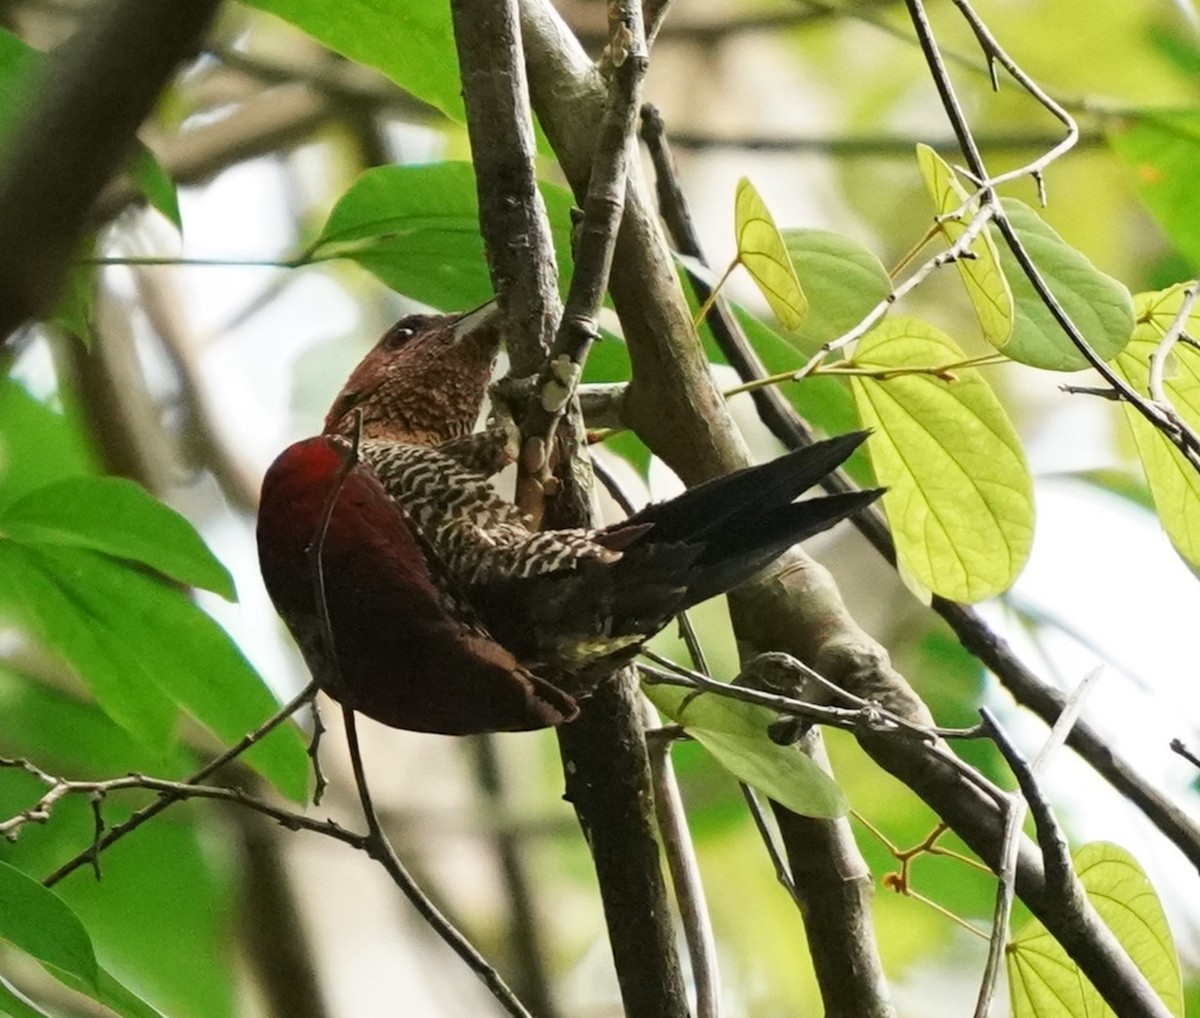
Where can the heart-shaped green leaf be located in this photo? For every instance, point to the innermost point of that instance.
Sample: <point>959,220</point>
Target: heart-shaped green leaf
<point>1045,983</point>
<point>762,251</point>
<point>842,280</point>
<point>1099,305</point>
<point>982,275</point>
<point>1174,482</point>
<point>959,498</point>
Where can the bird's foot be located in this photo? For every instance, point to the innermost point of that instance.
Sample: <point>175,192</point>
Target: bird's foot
<point>487,452</point>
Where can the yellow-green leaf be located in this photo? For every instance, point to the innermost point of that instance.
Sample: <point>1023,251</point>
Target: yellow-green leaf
<point>982,276</point>
<point>762,251</point>
<point>1045,983</point>
<point>735,733</point>
<point>1174,483</point>
<point>959,498</point>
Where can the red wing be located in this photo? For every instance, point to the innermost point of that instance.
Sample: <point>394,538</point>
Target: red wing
<point>401,657</point>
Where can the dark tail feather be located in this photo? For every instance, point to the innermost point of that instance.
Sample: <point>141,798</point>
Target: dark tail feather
<point>748,542</point>
<point>703,511</point>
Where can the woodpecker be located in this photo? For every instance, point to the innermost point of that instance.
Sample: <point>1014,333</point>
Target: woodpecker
<point>419,596</point>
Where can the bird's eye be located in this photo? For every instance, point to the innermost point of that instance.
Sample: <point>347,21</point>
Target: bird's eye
<point>397,336</point>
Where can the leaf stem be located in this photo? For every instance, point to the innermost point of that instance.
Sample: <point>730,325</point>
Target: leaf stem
<point>849,368</point>
<point>715,291</point>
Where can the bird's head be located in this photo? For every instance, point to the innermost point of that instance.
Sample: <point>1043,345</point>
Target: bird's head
<point>424,381</point>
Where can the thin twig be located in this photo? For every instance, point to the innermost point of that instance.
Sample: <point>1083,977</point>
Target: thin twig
<point>685,877</point>
<point>994,53</point>
<point>864,714</point>
<point>1055,855</point>
<point>602,211</point>
<point>1182,436</point>
<point>961,248</point>
<point>320,783</point>
<point>868,146</point>
<point>167,798</point>
<point>377,845</point>
<point>783,872</point>
<point>1178,747</point>
<point>1158,360</point>
<point>972,630</point>
<point>174,791</point>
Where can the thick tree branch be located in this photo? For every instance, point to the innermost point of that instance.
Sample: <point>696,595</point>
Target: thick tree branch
<point>673,405</point>
<point>833,888</point>
<point>604,753</point>
<point>512,214</point>
<point>973,632</point>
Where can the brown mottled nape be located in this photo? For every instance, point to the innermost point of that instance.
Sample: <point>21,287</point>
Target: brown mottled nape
<point>424,382</point>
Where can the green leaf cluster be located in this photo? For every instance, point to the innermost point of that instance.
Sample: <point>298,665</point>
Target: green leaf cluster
<point>95,571</point>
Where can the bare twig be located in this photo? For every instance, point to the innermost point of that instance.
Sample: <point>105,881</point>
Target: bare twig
<point>172,791</point>
<point>1162,352</point>
<point>685,878</point>
<point>867,146</point>
<point>961,248</point>
<point>783,872</point>
<point>1182,436</point>
<point>376,844</point>
<point>602,211</point>
<point>173,795</point>
<point>994,53</point>
<point>320,783</point>
<point>864,715</point>
<point>1178,747</point>
<point>1055,854</point>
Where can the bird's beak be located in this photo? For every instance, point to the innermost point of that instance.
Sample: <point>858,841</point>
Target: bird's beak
<point>480,318</point>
